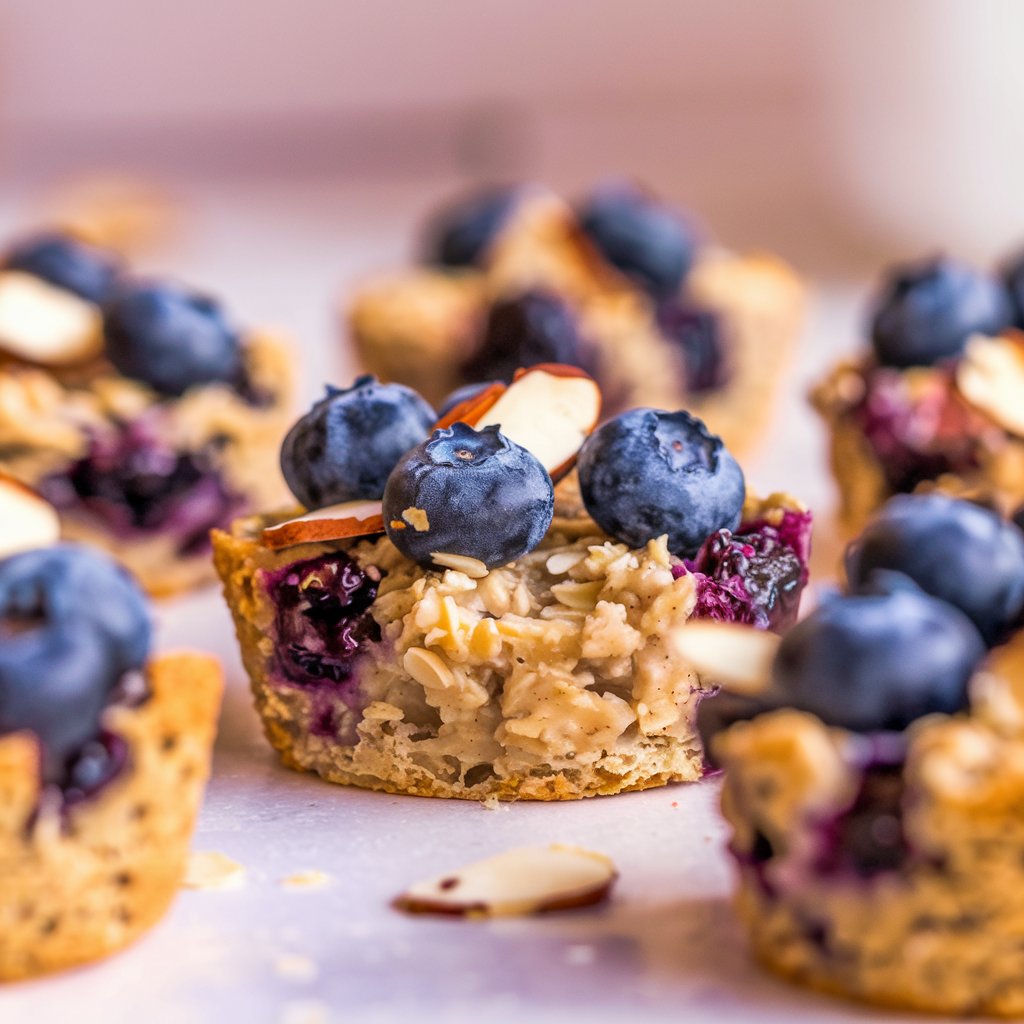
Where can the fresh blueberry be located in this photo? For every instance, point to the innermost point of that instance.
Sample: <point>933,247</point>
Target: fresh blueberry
<point>170,338</point>
<point>460,233</point>
<point>1012,273</point>
<point>649,472</point>
<point>697,333</point>
<point>953,549</point>
<point>344,448</point>
<point>535,327</point>
<point>68,262</point>
<point>640,236</point>
<point>878,661</point>
<point>70,582</point>
<point>927,311</point>
<point>463,394</point>
<point>468,492</point>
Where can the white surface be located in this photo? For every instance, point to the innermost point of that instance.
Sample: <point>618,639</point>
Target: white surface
<point>666,948</point>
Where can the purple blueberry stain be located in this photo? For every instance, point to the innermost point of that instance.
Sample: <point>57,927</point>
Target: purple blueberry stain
<point>136,483</point>
<point>322,620</point>
<point>754,576</point>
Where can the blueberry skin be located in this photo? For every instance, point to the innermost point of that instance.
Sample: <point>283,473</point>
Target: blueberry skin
<point>461,232</point>
<point>70,582</point>
<point>952,549</point>
<point>535,327</point>
<point>67,262</point>
<point>927,310</point>
<point>641,237</point>
<point>55,678</point>
<point>1012,274</point>
<point>346,445</point>
<point>170,337</point>
<point>463,394</point>
<point>483,495</point>
<point>874,662</point>
<point>649,472</point>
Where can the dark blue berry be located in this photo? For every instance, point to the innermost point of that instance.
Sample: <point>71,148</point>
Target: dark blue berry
<point>65,261</point>
<point>927,311</point>
<point>1012,273</point>
<point>344,448</point>
<point>72,623</point>
<point>649,472</point>
<point>878,661</point>
<point>68,582</point>
<point>468,492</point>
<point>643,238</point>
<point>953,549</point>
<point>461,232</point>
<point>697,334</point>
<point>535,327</point>
<point>170,338</point>
<point>463,394</point>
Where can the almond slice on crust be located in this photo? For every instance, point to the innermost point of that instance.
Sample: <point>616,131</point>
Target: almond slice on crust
<point>991,377</point>
<point>46,325</point>
<point>26,520</point>
<point>335,522</point>
<point>737,658</point>
<point>526,880</point>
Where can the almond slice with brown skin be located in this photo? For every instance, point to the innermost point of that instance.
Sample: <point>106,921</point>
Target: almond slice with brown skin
<point>737,658</point>
<point>336,522</point>
<point>473,408</point>
<point>526,880</point>
<point>549,409</point>
<point>26,520</point>
<point>43,324</point>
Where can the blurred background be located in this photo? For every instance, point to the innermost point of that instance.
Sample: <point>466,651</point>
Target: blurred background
<point>837,133</point>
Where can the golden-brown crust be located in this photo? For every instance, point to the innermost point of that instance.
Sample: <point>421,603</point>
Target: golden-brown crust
<point>78,887</point>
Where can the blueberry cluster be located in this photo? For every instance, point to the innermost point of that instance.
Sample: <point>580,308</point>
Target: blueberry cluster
<point>158,332</point>
<point>73,625</point>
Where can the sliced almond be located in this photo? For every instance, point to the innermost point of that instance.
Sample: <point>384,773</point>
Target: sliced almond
<point>738,658</point>
<point>336,522</point>
<point>26,520</point>
<point>473,408</point>
<point>527,880</point>
<point>991,377</point>
<point>548,409</point>
<point>41,323</point>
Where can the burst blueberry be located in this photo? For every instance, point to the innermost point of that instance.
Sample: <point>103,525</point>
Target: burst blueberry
<point>878,661</point>
<point>953,549</point>
<point>170,337</point>
<point>468,492</point>
<point>67,262</point>
<point>927,311</point>
<point>535,327</point>
<point>461,232</point>
<point>697,334</point>
<point>647,473</point>
<point>643,238</point>
<point>345,447</point>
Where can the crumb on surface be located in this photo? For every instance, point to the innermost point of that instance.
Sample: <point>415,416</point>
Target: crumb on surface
<point>296,967</point>
<point>211,869</point>
<point>310,878</point>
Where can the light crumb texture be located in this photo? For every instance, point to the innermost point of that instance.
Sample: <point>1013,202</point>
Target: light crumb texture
<point>211,869</point>
<point>48,417</point>
<point>939,931</point>
<point>550,678</point>
<point>304,881</point>
<point>77,889</point>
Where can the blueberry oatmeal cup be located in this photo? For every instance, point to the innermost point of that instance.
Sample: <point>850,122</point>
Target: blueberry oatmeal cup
<point>456,625</point>
<point>621,287</point>
<point>135,407</point>
<point>104,750</point>
<point>936,402</point>
<point>876,782</point>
